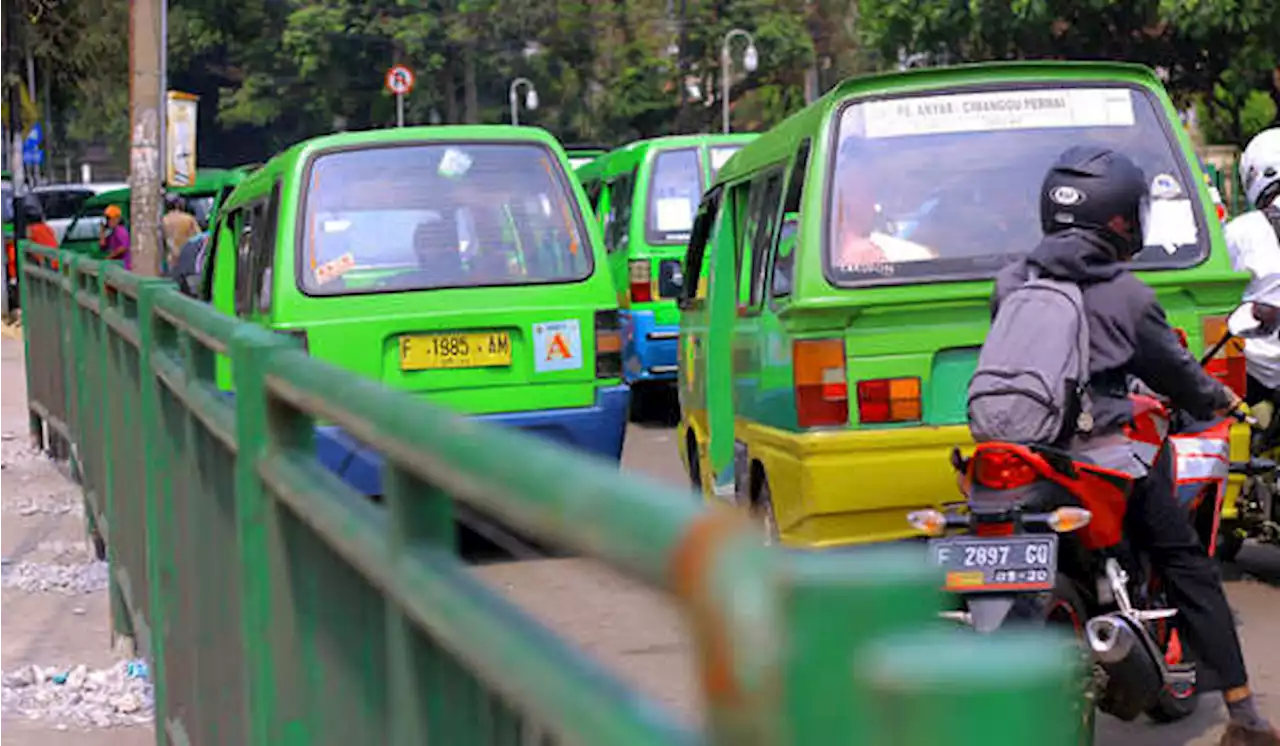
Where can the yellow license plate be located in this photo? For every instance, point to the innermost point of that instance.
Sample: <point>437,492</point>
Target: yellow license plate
<point>444,351</point>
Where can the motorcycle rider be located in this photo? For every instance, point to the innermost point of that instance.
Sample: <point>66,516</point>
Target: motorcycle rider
<point>1092,211</point>
<point>1254,242</point>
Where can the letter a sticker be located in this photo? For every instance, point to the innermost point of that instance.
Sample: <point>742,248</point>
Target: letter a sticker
<point>557,345</point>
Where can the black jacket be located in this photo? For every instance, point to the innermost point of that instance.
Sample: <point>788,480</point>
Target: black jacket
<point>1128,332</point>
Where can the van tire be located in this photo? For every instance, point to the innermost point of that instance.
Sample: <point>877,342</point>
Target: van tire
<point>762,509</point>
<point>695,466</point>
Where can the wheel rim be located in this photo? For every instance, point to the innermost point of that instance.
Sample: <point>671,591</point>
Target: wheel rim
<point>769,525</point>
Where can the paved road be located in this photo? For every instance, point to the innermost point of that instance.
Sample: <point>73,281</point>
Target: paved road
<point>639,636</point>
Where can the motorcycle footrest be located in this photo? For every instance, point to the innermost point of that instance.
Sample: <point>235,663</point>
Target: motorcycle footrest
<point>1181,673</point>
<point>1154,615</point>
<point>1253,467</point>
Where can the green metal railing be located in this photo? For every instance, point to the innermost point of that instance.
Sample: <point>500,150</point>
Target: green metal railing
<point>278,606</point>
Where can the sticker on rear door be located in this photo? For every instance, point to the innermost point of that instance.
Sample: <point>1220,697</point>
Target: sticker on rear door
<point>557,345</point>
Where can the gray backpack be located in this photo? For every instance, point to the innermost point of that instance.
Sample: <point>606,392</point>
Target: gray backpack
<point>1033,370</point>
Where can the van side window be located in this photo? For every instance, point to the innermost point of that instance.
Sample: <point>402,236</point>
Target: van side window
<point>217,234</point>
<point>243,223</point>
<point>763,203</point>
<point>617,222</point>
<point>695,256</point>
<point>264,251</point>
<point>784,253</point>
<point>593,189</point>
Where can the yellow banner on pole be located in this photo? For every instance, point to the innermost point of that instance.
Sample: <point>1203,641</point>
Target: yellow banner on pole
<point>180,145</point>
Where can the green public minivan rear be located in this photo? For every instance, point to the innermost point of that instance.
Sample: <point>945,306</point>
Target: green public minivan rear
<point>646,195</point>
<point>454,262</point>
<point>850,253</point>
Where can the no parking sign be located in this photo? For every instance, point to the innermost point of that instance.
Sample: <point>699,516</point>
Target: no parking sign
<point>399,80</point>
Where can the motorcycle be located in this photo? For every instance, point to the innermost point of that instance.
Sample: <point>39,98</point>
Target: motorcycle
<point>1040,541</point>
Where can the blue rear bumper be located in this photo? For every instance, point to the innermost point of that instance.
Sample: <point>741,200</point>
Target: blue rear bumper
<point>599,430</point>
<point>648,349</point>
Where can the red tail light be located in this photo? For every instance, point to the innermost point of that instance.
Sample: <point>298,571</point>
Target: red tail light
<point>993,528</point>
<point>822,393</point>
<point>1003,470</point>
<point>641,281</point>
<point>608,344</point>
<point>886,400</point>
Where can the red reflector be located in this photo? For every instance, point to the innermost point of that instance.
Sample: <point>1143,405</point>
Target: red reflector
<point>1003,470</point>
<point>1232,371</point>
<point>641,292</point>
<point>1003,528</point>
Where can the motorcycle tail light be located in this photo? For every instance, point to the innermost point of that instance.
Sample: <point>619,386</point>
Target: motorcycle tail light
<point>993,528</point>
<point>1003,470</point>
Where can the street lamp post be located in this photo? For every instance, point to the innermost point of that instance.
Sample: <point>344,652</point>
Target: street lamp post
<point>750,59</point>
<point>530,97</point>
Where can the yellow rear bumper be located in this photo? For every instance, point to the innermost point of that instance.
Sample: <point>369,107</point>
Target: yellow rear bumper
<point>857,486</point>
<point>854,486</point>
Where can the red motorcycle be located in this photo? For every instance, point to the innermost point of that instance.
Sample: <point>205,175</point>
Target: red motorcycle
<point>1041,541</point>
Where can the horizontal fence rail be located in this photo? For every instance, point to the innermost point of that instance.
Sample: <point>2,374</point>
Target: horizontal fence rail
<point>279,606</point>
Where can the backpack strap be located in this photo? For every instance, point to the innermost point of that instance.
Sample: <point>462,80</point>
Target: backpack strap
<point>1272,213</point>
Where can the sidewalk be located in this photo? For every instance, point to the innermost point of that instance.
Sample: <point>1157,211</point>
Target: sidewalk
<point>55,612</point>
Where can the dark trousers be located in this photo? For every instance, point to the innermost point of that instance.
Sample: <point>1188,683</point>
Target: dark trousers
<point>1157,524</point>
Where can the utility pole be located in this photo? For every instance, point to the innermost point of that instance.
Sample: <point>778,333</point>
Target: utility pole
<point>146,80</point>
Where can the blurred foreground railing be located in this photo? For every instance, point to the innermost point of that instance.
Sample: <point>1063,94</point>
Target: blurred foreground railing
<point>278,606</point>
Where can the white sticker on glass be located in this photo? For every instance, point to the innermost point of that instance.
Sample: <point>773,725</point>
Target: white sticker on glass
<point>1170,224</point>
<point>999,110</point>
<point>675,214</point>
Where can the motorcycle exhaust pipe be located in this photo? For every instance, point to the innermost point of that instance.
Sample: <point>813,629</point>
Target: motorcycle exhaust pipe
<point>1110,638</point>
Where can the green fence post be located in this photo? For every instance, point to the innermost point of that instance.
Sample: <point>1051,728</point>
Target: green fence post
<point>835,607</point>
<point>953,687</point>
<point>421,517</point>
<point>156,499</point>
<point>35,425</point>
<point>259,531</point>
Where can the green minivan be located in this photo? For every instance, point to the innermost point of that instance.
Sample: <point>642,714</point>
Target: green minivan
<point>850,253</point>
<point>645,195</point>
<point>455,262</point>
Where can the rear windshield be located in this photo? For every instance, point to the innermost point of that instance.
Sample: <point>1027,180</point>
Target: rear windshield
<point>720,155</point>
<point>675,187</point>
<point>435,216</point>
<point>947,186</point>
<point>62,204</point>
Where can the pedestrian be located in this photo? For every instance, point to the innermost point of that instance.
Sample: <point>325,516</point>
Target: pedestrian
<point>179,227</point>
<point>37,230</point>
<point>113,239</point>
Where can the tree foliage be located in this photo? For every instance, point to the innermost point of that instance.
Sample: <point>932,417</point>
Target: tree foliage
<point>272,72</point>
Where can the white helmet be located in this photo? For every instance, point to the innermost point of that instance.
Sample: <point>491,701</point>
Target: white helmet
<point>1260,167</point>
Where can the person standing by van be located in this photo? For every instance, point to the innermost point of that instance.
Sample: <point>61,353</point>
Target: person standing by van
<point>179,227</point>
<point>113,239</point>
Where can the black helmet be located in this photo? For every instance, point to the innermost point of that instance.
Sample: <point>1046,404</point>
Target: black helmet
<point>1088,187</point>
<point>32,212</point>
<point>173,201</point>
